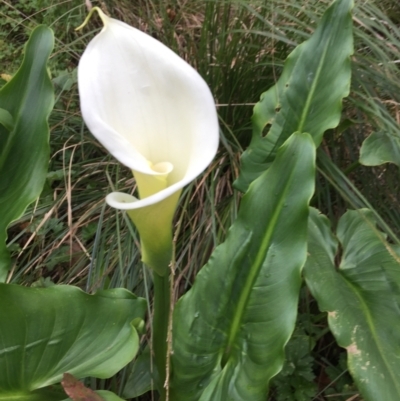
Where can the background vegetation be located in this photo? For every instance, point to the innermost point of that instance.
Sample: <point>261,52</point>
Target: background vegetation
<point>70,236</point>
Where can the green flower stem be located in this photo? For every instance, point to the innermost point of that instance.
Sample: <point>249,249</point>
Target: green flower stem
<point>162,298</point>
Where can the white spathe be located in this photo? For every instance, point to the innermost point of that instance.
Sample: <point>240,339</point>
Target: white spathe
<point>155,114</point>
<point>149,108</point>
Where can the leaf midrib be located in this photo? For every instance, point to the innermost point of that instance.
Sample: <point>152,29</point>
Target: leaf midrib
<point>254,271</point>
<point>371,326</point>
<point>310,96</point>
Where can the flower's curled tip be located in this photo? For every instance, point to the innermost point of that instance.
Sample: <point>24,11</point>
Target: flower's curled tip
<point>103,17</point>
<point>120,200</point>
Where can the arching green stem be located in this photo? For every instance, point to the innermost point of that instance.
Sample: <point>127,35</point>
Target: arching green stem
<point>162,298</point>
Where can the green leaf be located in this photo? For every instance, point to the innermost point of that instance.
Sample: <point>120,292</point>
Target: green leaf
<point>308,96</point>
<point>45,332</point>
<point>6,120</point>
<point>24,151</point>
<point>45,394</point>
<point>57,394</point>
<point>108,395</point>
<point>379,148</point>
<point>230,329</point>
<point>361,296</point>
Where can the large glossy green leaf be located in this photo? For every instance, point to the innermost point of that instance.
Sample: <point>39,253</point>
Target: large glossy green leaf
<point>45,332</point>
<point>361,296</point>
<point>308,96</point>
<point>46,394</point>
<point>379,148</point>
<point>57,394</point>
<point>25,104</point>
<point>230,329</point>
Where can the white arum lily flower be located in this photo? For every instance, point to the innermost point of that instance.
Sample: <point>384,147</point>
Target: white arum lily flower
<point>155,114</point>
